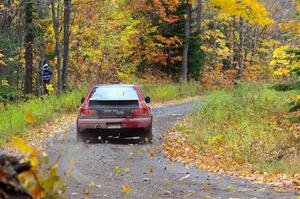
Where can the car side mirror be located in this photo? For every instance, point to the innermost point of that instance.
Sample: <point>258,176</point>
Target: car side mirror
<point>82,100</point>
<point>148,100</point>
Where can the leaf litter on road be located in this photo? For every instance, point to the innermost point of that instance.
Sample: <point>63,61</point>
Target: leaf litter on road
<point>179,149</point>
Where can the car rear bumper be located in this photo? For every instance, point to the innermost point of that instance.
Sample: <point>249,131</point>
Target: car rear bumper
<point>125,123</point>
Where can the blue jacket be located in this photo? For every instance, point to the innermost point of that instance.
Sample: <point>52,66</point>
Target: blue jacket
<point>47,72</point>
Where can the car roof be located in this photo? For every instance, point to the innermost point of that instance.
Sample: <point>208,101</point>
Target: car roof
<point>114,85</point>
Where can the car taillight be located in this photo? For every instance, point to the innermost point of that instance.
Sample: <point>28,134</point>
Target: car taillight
<point>141,112</point>
<point>87,113</point>
<point>138,111</point>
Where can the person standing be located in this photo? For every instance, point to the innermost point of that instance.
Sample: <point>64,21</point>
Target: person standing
<point>46,76</point>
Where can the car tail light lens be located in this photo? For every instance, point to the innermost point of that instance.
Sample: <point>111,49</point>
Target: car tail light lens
<point>141,112</point>
<point>87,113</point>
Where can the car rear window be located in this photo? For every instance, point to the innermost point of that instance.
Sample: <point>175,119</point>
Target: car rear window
<point>114,93</point>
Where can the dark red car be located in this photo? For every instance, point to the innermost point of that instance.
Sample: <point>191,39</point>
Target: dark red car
<point>115,110</point>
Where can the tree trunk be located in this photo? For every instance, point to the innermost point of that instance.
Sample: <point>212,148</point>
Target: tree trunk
<point>241,48</point>
<point>254,44</point>
<point>29,38</point>
<point>234,43</point>
<point>199,14</point>
<point>67,13</point>
<point>56,26</point>
<point>187,33</point>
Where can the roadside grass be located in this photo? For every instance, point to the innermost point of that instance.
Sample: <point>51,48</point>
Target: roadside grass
<point>165,92</point>
<point>249,124</point>
<point>12,117</point>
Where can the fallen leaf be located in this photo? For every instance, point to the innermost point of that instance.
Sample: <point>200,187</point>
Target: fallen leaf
<point>126,189</point>
<point>168,181</point>
<point>37,192</point>
<point>152,154</point>
<point>167,191</point>
<point>242,190</point>
<point>279,190</point>
<point>296,183</point>
<point>72,161</point>
<point>229,187</point>
<point>45,154</point>
<point>150,169</point>
<point>189,194</point>
<point>92,185</point>
<point>140,153</point>
<point>70,172</point>
<point>170,166</point>
<point>126,170</point>
<point>205,185</point>
<point>118,169</point>
<point>29,118</point>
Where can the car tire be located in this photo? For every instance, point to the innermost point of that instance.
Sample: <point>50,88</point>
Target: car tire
<point>146,136</point>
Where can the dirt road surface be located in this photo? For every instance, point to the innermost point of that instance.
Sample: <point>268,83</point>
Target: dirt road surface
<point>98,169</point>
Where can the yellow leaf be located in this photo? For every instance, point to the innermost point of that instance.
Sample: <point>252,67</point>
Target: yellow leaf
<point>49,88</point>
<point>229,187</point>
<point>171,166</point>
<point>4,82</point>
<point>168,181</point>
<point>29,118</point>
<point>23,147</point>
<point>126,170</point>
<point>71,171</point>
<point>72,161</point>
<point>92,185</point>
<point>152,154</point>
<point>45,154</point>
<point>140,153</point>
<point>126,189</point>
<point>279,190</point>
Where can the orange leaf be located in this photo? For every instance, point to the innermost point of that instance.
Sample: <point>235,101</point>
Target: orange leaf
<point>37,192</point>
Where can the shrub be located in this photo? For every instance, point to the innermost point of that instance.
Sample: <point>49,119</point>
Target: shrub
<point>9,94</point>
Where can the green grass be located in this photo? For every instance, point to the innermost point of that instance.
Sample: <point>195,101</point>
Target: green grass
<point>12,118</point>
<point>167,92</point>
<point>244,124</point>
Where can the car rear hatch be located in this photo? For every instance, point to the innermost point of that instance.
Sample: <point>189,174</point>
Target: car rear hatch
<point>113,108</point>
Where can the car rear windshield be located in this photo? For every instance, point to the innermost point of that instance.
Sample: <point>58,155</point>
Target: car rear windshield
<point>114,93</point>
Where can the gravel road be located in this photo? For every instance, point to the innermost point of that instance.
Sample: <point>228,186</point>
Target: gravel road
<point>150,175</point>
